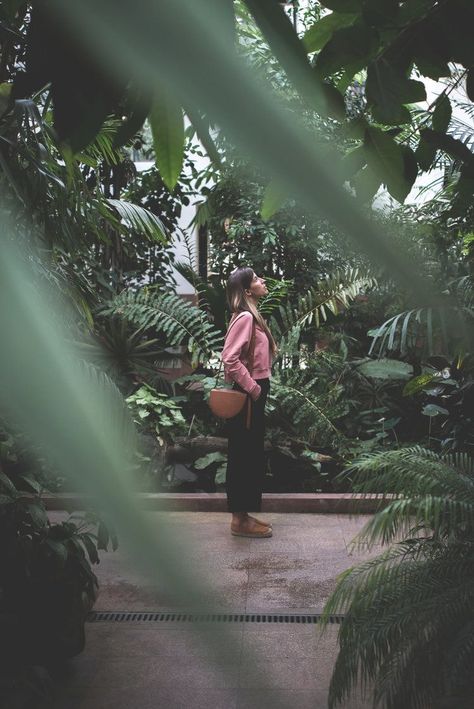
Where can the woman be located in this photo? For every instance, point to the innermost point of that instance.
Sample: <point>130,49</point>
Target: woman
<point>247,333</point>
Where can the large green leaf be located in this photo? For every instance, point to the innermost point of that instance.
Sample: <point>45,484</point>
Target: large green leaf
<point>37,514</point>
<point>428,55</point>
<point>410,168</point>
<point>349,46</point>
<point>6,484</point>
<point>386,369</point>
<point>425,154</point>
<point>366,184</point>
<point>380,13</point>
<point>470,84</point>
<point>452,146</point>
<point>289,50</point>
<point>442,114</point>
<point>272,200</point>
<point>321,32</point>
<point>167,127</point>
<point>434,410</point>
<point>343,5</point>
<point>138,108</point>
<point>353,161</point>
<point>221,475</point>
<point>209,459</point>
<point>387,90</point>
<point>418,383</point>
<point>385,157</point>
<point>202,131</point>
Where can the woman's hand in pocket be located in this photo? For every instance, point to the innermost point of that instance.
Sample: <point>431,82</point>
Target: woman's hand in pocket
<point>255,393</point>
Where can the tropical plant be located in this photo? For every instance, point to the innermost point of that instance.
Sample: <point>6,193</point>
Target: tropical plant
<point>215,464</point>
<point>127,355</point>
<point>47,584</point>
<point>293,245</point>
<point>330,296</point>
<point>167,313</point>
<point>445,392</point>
<point>210,293</point>
<point>432,330</point>
<point>46,51</point>
<point>212,296</point>
<point>408,633</point>
<point>158,411</point>
<point>309,397</point>
<point>159,420</point>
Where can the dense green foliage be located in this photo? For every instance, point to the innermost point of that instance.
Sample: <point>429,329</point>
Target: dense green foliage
<point>353,74</point>
<point>408,632</point>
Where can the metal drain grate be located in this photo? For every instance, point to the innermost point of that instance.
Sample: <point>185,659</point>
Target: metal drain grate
<point>179,617</point>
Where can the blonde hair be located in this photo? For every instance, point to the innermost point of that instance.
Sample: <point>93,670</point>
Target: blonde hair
<point>239,281</point>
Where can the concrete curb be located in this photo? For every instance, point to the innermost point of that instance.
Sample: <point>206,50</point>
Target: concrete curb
<point>340,503</point>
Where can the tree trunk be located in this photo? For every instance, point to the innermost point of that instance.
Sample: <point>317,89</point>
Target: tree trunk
<point>188,449</point>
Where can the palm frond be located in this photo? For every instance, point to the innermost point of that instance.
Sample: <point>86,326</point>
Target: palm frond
<point>139,219</point>
<point>102,148</point>
<point>200,285</point>
<point>125,354</point>
<point>463,289</point>
<point>430,330</point>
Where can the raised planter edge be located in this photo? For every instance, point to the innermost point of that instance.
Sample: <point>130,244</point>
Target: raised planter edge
<point>340,503</point>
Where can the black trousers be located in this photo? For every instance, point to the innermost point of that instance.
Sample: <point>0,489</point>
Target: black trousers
<point>245,462</point>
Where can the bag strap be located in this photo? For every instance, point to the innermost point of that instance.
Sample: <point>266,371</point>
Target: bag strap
<point>248,418</point>
<point>251,350</point>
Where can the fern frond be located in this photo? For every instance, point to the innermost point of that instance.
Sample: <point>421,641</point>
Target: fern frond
<point>395,617</point>
<point>408,635</point>
<point>330,295</point>
<point>180,322</point>
<point>311,398</point>
<point>414,471</point>
<point>277,292</point>
<point>437,492</point>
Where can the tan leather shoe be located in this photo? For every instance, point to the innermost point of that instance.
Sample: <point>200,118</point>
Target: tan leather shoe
<point>259,521</point>
<point>250,529</point>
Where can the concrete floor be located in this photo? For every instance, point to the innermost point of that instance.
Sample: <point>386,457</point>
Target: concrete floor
<point>238,666</point>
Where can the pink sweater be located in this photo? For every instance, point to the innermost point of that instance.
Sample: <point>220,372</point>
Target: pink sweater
<point>234,354</point>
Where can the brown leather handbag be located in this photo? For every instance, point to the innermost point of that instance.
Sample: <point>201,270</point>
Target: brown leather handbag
<point>226,403</point>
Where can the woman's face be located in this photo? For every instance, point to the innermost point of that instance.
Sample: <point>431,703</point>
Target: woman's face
<point>257,287</point>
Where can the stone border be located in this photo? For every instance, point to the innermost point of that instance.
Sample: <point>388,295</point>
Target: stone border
<point>340,503</point>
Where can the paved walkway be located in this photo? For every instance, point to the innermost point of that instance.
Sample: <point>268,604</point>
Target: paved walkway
<point>171,664</point>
